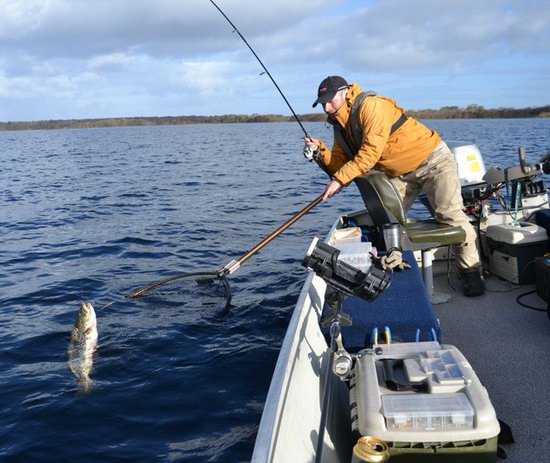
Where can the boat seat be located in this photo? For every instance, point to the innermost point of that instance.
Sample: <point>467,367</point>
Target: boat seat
<point>381,197</point>
<point>409,319</point>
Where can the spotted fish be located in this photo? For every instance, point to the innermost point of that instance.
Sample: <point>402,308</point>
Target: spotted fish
<point>83,344</point>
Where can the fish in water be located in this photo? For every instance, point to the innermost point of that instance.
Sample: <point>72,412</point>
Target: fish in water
<point>83,344</point>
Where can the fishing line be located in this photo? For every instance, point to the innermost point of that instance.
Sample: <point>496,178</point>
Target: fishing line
<point>263,66</point>
<point>197,280</point>
<point>103,307</point>
<point>308,152</point>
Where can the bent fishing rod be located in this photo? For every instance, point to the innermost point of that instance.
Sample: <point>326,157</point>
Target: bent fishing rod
<point>208,277</point>
<point>308,152</point>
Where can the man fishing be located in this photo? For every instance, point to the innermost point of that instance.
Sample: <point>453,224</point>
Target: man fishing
<point>372,132</point>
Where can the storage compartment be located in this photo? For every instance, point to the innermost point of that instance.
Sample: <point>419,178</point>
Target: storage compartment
<point>427,412</point>
<point>440,411</point>
<point>512,249</point>
<point>353,250</point>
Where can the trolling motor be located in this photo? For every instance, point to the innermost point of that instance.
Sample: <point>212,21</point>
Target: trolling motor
<point>527,192</point>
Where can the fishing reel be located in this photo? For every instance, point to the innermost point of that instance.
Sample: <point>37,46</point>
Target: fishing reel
<point>310,154</point>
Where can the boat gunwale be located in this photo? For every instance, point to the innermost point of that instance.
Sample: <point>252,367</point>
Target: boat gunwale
<point>271,415</point>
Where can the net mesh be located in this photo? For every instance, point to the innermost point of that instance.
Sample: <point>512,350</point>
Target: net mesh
<point>207,289</point>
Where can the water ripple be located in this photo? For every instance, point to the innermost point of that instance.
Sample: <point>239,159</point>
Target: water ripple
<point>94,214</point>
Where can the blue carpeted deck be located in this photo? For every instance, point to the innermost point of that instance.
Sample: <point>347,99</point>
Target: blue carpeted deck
<point>404,307</point>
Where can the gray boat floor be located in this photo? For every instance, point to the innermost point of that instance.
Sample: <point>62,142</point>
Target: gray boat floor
<point>508,347</point>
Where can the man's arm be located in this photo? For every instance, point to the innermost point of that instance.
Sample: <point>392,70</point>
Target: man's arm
<point>376,118</point>
<point>329,160</point>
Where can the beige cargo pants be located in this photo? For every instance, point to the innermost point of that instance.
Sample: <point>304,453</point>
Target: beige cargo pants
<point>438,177</point>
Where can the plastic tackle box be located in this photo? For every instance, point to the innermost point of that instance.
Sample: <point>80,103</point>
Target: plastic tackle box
<point>423,399</point>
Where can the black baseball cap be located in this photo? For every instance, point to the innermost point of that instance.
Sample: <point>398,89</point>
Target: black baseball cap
<point>328,88</point>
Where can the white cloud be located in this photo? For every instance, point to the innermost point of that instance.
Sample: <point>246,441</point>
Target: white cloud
<point>61,28</point>
<point>137,57</point>
<point>205,76</point>
<point>21,18</point>
<point>38,86</point>
<point>110,61</point>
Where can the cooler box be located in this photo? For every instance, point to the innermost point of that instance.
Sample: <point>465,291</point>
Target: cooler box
<point>426,402</point>
<point>512,249</point>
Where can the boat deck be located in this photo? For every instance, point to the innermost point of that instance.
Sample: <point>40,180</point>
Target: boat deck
<point>508,347</point>
<point>505,342</point>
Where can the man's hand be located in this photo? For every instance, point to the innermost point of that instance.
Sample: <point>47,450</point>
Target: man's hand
<point>394,260</point>
<point>312,143</point>
<point>311,149</point>
<point>332,188</point>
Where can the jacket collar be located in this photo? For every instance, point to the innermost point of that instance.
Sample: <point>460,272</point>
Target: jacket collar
<point>342,116</point>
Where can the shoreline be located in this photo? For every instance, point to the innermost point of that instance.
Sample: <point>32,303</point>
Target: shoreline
<point>451,112</point>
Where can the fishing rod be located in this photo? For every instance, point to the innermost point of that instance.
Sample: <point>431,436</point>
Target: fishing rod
<point>205,278</point>
<point>308,152</point>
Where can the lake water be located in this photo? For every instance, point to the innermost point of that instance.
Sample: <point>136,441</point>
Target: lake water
<point>91,215</point>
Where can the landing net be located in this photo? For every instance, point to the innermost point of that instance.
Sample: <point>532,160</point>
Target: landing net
<point>209,289</point>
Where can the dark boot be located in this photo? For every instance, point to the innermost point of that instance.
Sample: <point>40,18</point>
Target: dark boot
<point>472,284</point>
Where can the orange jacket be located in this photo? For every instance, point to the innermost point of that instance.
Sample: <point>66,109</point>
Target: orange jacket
<point>396,154</point>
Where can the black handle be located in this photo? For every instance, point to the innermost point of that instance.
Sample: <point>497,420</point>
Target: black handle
<point>393,384</point>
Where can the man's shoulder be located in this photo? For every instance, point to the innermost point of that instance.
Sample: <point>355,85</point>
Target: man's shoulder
<point>365,97</point>
<point>372,102</point>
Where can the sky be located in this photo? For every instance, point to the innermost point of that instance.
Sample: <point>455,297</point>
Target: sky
<point>74,59</point>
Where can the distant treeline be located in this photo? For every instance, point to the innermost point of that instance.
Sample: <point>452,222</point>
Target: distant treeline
<point>447,112</point>
<point>479,112</point>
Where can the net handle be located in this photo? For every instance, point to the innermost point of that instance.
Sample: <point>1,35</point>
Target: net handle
<point>234,265</point>
<point>280,230</point>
